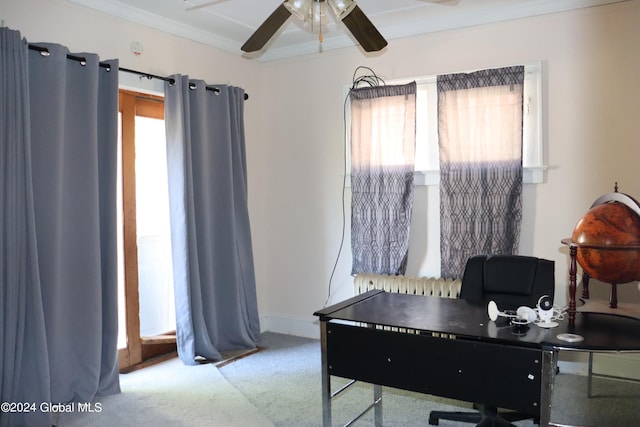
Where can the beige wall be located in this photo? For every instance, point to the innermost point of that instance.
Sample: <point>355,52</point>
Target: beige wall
<point>294,122</point>
<point>591,62</point>
<point>590,58</point>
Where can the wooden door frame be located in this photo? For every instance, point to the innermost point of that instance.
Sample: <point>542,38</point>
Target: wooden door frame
<point>138,349</point>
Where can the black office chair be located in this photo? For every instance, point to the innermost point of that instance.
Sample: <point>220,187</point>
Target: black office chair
<point>511,281</point>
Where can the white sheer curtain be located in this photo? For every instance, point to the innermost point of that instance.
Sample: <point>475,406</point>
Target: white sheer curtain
<point>58,138</point>
<point>480,137</point>
<point>382,165</point>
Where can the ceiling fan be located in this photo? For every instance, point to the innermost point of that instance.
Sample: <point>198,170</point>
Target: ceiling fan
<point>346,11</point>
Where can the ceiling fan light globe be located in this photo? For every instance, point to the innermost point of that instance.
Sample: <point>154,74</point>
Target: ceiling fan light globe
<point>318,14</point>
<point>341,8</point>
<point>299,8</point>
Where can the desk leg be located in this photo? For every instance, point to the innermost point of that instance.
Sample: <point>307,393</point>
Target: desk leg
<point>377,399</point>
<point>590,376</point>
<point>549,363</point>
<point>326,378</point>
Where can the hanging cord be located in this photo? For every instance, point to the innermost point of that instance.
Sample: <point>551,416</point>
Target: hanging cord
<point>344,188</point>
<point>371,80</point>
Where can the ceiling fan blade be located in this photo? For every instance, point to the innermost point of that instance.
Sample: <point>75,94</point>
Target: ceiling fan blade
<point>364,31</point>
<point>268,28</point>
<point>200,6</point>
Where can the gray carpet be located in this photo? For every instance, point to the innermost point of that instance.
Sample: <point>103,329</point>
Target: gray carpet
<point>171,394</point>
<point>280,386</point>
<point>283,382</point>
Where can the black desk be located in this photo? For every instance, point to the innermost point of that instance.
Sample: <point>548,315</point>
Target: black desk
<point>405,341</point>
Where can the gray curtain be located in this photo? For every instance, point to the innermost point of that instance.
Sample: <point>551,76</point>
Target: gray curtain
<point>382,166</point>
<point>58,136</point>
<point>214,279</point>
<point>480,138</point>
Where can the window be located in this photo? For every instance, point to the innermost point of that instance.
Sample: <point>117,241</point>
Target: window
<point>424,254</point>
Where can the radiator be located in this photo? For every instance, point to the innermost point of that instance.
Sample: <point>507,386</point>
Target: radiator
<point>430,286</point>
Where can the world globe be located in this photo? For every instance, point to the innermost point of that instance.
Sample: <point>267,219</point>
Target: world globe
<point>608,239</point>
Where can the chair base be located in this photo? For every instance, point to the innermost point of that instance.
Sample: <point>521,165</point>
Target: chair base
<point>489,417</point>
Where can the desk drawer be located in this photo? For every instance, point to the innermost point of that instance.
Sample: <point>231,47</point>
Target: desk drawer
<point>499,375</point>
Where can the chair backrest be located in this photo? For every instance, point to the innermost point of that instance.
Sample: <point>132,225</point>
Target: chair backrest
<point>509,280</point>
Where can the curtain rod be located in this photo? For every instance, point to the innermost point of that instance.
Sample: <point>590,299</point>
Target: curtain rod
<point>45,51</point>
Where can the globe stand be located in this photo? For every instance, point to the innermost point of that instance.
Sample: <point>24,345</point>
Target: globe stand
<point>585,285</point>
<point>613,297</point>
<point>573,249</point>
<point>613,294</point>
<point>573,267</point>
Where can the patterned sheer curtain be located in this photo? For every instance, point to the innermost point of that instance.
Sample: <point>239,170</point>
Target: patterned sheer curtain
<point>480,137</point>
<point>382,165</point>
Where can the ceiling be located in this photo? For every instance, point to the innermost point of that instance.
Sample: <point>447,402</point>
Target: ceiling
<point>227,24</point>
